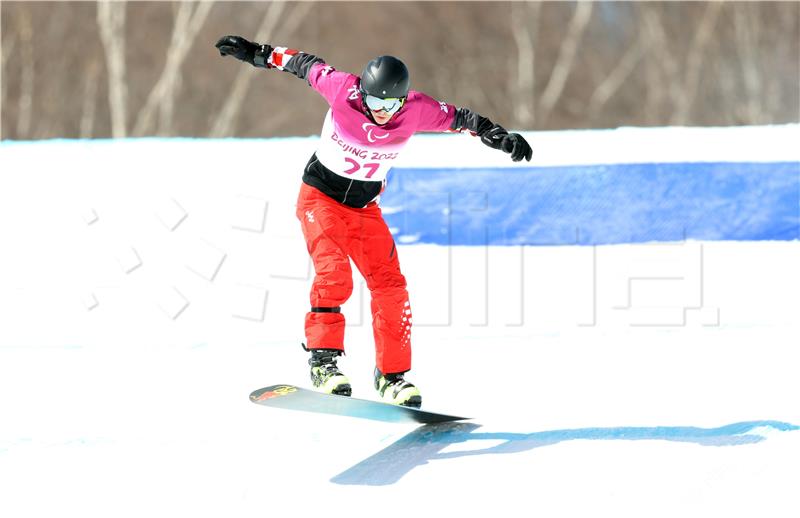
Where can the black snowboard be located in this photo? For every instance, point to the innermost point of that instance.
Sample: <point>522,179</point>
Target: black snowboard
<point>296,398</point>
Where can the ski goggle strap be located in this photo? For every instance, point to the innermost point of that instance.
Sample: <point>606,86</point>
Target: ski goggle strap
<point>389,104</point>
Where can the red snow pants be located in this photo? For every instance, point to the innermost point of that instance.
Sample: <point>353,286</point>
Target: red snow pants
<point>336,233</point>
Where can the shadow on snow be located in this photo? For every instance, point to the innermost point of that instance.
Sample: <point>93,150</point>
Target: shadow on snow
<point>427,442</point>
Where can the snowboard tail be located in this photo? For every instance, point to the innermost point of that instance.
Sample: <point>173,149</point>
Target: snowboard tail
<point>291,397</point>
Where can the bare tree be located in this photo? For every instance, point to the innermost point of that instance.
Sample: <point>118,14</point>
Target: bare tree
<point>566,58</point>
<point>224,124</point>
<point>190,18</point>
<point>6,49</point>
<point>524,25</point>
<point>27,78</point>
<point>747,28</point>
<point>89,100</point>
<point>642,63</point>
<point>616,78</point>
<point>694,63</point>
<point>662,88</point>
<point>111,21</point>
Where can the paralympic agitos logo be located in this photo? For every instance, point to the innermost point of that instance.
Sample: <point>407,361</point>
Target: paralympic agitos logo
<point>369,128</point>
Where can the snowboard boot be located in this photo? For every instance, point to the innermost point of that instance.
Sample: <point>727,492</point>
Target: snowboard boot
<point>325,375</point>
<point>393,388</point>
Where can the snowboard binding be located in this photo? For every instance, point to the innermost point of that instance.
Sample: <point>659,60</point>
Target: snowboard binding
<point>325,374</point>
<point>393,388</point>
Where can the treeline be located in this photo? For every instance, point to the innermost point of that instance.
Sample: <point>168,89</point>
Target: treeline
<point>102,69</point>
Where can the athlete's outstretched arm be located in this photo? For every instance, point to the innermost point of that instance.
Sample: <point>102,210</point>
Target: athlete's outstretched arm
<point>319,76</point>
<point>267,56</point>
<point>491,134</point>
<point>441,116</point>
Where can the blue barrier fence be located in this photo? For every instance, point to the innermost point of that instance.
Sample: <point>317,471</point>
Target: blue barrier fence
<point>596,204</point>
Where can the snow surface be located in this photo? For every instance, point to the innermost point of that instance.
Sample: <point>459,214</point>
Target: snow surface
<point>148,286</point>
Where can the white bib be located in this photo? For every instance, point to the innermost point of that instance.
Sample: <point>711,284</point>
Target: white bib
<point>353,159</point>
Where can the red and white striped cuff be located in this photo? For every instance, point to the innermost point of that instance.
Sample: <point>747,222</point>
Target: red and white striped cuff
<point>280,56</point>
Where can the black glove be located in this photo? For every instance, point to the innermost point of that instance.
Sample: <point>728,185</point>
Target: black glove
<point>515,145</point>
<point>244,50</point>
<point>493,137</point>
<point>497,137</point>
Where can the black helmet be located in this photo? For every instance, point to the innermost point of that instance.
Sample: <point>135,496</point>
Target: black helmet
<point>385,76</point>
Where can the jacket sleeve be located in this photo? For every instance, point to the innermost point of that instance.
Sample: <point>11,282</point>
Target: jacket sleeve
<point>433,115</point>
<point>293,61</point>
<point>320,76</point>
<point>491,134</point>
<point>467,120</point>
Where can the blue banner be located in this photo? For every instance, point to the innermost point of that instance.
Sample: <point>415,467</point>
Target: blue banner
<point>595,204</point>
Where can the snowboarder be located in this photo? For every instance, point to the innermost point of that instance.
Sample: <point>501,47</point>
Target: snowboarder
<point>371,118</point>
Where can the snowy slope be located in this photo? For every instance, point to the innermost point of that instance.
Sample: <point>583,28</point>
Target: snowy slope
<point>148,286</point>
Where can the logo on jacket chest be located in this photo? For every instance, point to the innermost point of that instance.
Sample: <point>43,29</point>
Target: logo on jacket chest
<point>373,132</point>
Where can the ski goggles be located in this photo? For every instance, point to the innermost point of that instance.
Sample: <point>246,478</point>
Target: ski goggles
<point>389,104</point>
